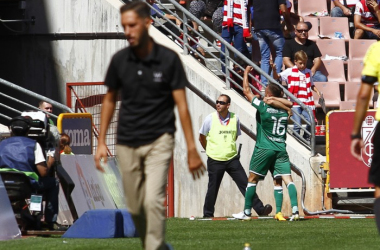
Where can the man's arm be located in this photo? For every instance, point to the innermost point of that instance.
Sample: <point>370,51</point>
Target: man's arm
<point>360,25</point>
<point>316,64</point>
<point>362,102</point>
<point>195,163</point>
<point>315,89</point>
<point>345,10</point>
<point>287,62</point>
<point>246,89</point>
<point>42,169</point>
<point>280,103</point>
<point>203,141</point>
<point>286,15</point>
<point>108,107</point>
<point>272,99</point>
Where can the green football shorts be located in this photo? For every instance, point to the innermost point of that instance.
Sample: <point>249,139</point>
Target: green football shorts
<point>277,162</point>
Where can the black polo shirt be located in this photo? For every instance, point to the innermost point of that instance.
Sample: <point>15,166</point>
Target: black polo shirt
<point>310,48</point>
<point>147,106</point>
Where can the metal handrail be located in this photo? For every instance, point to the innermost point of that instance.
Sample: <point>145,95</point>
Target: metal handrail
<point>32,94</point>
<point>229,49</point>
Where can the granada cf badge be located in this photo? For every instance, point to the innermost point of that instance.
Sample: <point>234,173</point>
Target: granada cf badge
<point>368,129</point>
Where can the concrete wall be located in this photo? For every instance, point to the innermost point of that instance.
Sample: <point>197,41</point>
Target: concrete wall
<point>44,64</point>
<point>42,60</point>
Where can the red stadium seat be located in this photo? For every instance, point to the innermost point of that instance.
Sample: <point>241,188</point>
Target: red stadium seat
<point>331,93</point>
<point>329,25</point>
<point>334,70</point>
<point>354,70</point>
<point>314,31</point>
<point>358,47</point>
<point>332,47</point>
<point>306,7</point>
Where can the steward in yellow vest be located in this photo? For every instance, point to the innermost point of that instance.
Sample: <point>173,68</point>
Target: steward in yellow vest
<point>218,136</point>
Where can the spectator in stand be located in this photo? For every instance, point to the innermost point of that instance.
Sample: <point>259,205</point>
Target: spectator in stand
<point>366,20</point>
<point>240,71</point>
<point>267,24</point>
<point>343,8</point>
<point>300,84</point>
<point>64,145</point>
<point>193,43</point>
<point>217,20</point>
<point>301,42</point>
<point>197,8</point>
<point>160,22</point>
<point>235,27</point>
<point>48,108</point>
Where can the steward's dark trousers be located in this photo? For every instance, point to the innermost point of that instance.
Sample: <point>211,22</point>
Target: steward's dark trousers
<point>216,170</point>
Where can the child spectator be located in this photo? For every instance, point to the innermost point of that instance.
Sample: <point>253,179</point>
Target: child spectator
<point>300,84</point>
<point>64,145</point>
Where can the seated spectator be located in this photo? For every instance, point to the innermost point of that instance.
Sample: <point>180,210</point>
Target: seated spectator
<point>300,84</point>
<point>64,145</point>
<point>20,153</point>
<point>301,42</point>
<point>366,20</point>
<point>161,23</point>
<point>343,9</point>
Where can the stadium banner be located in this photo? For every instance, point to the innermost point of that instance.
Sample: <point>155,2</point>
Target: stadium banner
<point>79,128</point>
<point>91,190</point>
<point>64,214</point>
<point>345,170</point>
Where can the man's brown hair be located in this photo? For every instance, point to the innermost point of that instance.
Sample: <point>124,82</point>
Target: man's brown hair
<point>139,7</point>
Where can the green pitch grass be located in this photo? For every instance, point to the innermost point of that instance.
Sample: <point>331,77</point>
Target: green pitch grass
<point>184,234</point>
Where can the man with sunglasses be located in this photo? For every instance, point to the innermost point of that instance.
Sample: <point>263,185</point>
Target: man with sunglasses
<point>301,42</point>
<point>218,136</point>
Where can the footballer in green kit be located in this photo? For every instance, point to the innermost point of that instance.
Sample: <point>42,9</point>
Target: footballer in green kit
<point>270,150</point>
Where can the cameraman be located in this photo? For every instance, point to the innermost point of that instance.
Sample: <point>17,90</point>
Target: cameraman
<point>20,153</point>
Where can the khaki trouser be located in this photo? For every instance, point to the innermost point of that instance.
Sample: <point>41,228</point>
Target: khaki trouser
<point>144,170</point>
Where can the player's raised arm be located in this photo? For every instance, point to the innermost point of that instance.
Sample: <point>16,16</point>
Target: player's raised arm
<point>246,89</point>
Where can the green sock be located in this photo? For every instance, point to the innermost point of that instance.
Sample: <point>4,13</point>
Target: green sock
<point>251,191</point>
<point>293,194</point>
<point>278,196</point>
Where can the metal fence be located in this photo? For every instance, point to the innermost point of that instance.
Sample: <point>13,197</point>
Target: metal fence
<point>25,106</point>
<point>87,98</point>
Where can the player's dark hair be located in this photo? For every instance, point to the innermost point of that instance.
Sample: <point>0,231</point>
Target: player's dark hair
<point>228,98</point>
<point>275,90</point>
<point>139,7</point>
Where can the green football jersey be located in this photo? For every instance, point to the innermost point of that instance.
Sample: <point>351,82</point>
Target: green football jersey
<point>272,124</point>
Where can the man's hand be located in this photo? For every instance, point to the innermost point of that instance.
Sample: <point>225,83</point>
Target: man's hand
<point>373,4</point>
<point>356,147</point>
<point>196,166</point>
<point>101,153</point>
<point>376,32</point>
<point>347,11</point>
